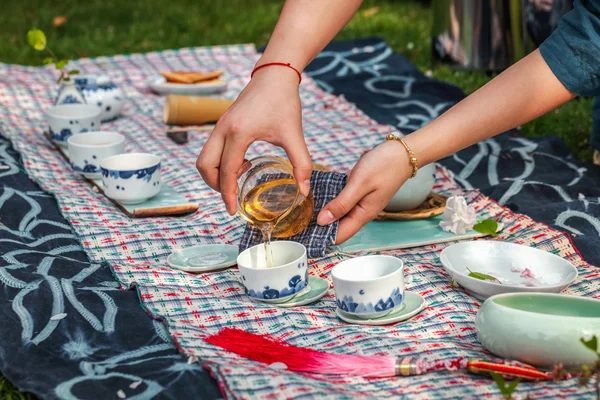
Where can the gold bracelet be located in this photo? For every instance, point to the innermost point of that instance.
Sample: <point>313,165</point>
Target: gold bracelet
<point>411,156</point>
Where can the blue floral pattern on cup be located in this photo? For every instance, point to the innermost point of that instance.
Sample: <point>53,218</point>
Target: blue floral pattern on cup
<point>295,285</point>
<point>348,304</point>
<point>145,173</point>
<point>87,168</point>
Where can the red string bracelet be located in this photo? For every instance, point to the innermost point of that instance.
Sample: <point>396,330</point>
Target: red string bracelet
<point>280,64</point>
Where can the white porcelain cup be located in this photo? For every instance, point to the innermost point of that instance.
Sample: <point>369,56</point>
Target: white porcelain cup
<point>67,120</point>
<point>131,178</point>
<point>370,286</point>
<point>88,150</point>
<point>279,283</point>
<point>414,191</point>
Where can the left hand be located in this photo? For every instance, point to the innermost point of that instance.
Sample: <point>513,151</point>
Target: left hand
<point>372,183</point>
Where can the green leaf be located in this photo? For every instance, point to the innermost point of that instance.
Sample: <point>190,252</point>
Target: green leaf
<point>487,227</point>
<point>60,64</point>
<point>591,344</point>
<point>74,72</point>
<point>66,79</point>
<point>48,60</point>
<point>507,390</point>
<point>36,39</point>
<point>483,277</point>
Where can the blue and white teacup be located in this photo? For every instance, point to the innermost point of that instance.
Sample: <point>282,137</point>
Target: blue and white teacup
<point>67,120</point>
<point>131,178</point>
<point>370,286</point>
<point>88,150</point>
<point>277,284</point>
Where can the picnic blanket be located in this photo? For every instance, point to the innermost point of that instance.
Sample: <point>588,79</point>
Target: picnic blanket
<point>193,306</point>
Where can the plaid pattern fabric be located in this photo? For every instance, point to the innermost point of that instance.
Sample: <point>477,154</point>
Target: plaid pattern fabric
<point>194,306</point>
<point>325,187</point>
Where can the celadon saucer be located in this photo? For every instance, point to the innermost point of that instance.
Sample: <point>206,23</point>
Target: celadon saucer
<point>203,258</point>
<point>316,288</point>
<point>413,304</point>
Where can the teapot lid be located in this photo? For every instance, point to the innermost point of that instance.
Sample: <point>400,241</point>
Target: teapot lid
<point>91,80</point>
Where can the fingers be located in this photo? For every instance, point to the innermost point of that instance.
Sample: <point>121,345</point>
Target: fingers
<point>297,152</point>
<point>343,203</point>
<point>209,160</point>
<point>232,162</point>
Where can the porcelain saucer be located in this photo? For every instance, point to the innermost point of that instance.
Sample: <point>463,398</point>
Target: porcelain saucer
<point>316,288</point>
<point>413,304</point>
<point>204,258</point>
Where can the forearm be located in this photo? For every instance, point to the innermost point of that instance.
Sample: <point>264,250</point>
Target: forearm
<point>522,93</point>
<point>304,29</point>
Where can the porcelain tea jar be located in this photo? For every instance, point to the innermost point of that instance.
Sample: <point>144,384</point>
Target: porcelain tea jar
<point>96,90</point>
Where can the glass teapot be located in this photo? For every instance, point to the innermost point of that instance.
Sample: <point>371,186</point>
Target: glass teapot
<point>270,198</point>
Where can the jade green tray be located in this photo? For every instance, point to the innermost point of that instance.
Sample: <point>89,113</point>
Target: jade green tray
<point>389,234</point>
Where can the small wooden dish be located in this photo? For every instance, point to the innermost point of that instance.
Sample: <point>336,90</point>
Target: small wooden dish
<point>435,204</point>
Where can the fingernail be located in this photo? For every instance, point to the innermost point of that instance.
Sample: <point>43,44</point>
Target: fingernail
<point>325,218</point>
<point>305,190</point>
<point>237,190</point>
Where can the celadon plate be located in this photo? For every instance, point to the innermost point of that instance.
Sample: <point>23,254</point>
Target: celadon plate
<point>507,262</point>
<point>203,258</point>
<point>316,288</point>
<point>413,304</point>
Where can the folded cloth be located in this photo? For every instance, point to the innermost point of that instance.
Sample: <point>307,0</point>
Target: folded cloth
<point>325,187</point>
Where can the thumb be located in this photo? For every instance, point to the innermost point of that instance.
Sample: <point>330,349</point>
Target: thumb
<point>342,204</point>
<point>297,152</point>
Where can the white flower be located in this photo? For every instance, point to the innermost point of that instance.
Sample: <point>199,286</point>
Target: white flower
<point>458,217</point>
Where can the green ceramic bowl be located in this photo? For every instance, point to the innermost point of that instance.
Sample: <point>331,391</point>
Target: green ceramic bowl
<point>540,329</point>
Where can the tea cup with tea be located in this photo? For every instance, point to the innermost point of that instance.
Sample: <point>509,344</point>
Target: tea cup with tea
<point>369,287</point>
<point>277,284</point>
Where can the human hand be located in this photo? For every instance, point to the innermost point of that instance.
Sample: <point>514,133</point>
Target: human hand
<point>371,185</point>
<point>268,109</point>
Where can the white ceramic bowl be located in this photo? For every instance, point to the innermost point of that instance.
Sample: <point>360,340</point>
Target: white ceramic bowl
<point>131,178</point>
<point>414,191</point>
<point>369,286</point>
<point>506,262</point>
<point>279,283</point>
<point>71,119</point>
<point>88,150</point>
<point>540,329</point>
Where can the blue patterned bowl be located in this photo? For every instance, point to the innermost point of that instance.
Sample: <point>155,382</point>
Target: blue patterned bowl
<point>370,286</point>
<point>131,178</point>
<point>277,284</point>
<point>67,120</point>
<point>88,150</point>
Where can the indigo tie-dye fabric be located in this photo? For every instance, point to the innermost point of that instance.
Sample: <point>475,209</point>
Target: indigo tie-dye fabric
<point>67,329</point>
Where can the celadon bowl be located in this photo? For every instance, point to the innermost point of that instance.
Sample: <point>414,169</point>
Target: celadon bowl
<point>541,329</point>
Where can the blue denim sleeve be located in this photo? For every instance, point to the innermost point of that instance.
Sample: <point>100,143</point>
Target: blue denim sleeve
<point>573,49</point>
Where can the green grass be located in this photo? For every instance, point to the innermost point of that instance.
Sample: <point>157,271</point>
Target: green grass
<point>105,27</point>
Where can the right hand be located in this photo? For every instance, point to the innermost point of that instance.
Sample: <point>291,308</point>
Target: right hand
<point>268,109</point>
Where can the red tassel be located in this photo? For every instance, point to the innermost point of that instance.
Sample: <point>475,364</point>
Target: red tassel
<point>269,350</point>
<point>282,355</point>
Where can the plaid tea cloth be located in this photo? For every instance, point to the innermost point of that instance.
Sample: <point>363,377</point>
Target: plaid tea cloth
<point>316,238</point>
